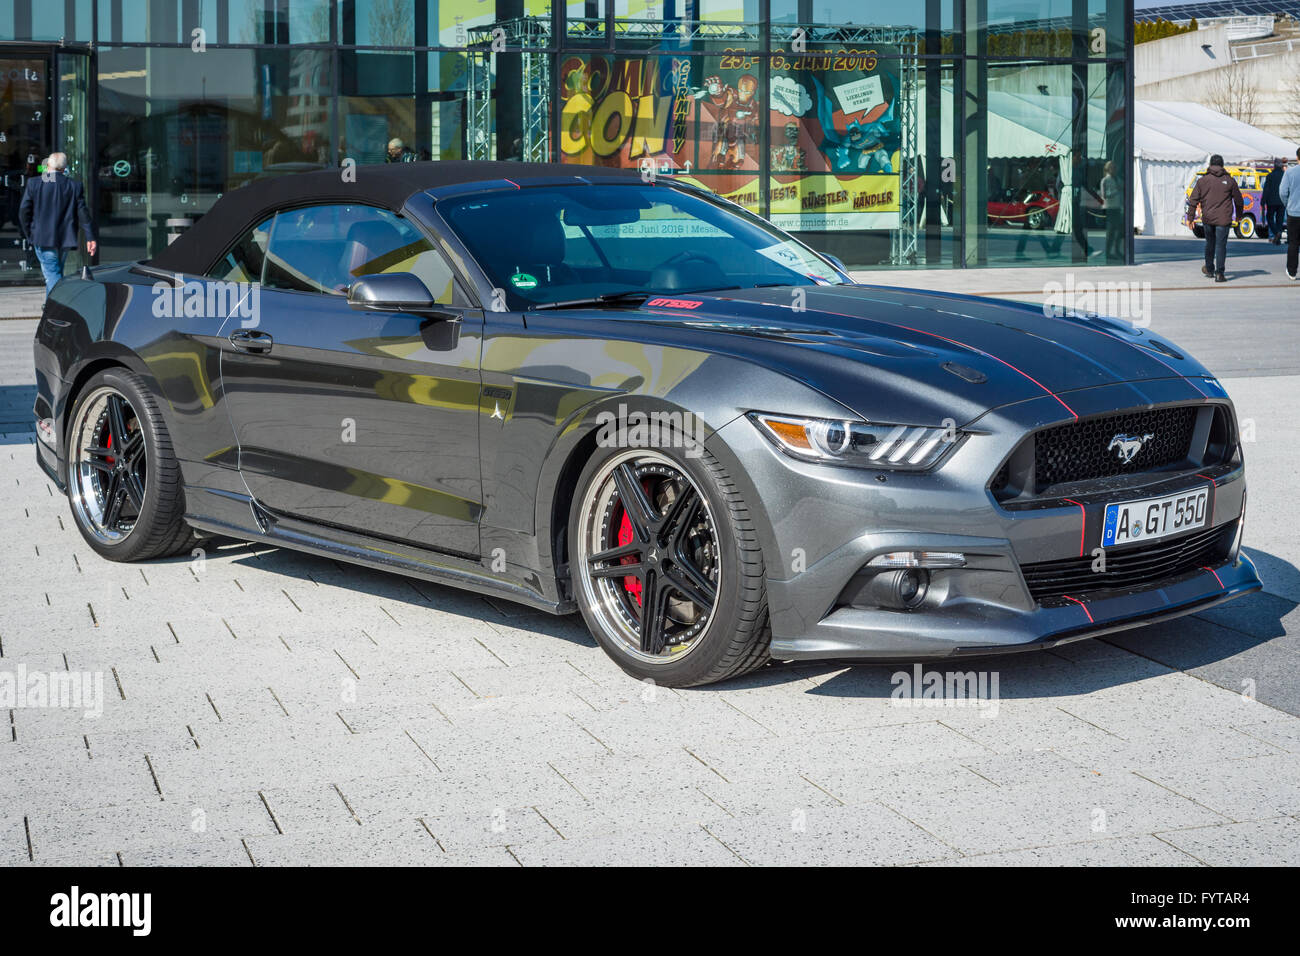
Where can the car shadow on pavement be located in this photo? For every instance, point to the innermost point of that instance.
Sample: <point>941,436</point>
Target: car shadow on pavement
<point>16,411</point>
<point>1243,639</point>
<point>312,570</point>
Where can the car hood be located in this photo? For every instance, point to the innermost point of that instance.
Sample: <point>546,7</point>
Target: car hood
<point>947,355</point>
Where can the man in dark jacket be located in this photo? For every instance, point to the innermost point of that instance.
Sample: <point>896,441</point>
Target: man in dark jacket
<point>1274,209</point>
<point>53,207</point>
<point>1221,207</point>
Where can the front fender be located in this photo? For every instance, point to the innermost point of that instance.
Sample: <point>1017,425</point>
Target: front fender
<point>701,406</point>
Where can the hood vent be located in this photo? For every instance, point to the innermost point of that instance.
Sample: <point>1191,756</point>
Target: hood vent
<point>966,373</point>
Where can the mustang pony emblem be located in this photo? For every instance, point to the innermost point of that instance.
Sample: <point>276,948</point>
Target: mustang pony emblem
<point>1127,446</point>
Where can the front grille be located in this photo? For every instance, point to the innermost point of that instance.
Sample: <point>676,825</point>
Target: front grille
<point>1080,451</point>
<point>1132,568</point>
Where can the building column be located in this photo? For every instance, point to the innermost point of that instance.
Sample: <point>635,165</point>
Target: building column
<point>973,178</point>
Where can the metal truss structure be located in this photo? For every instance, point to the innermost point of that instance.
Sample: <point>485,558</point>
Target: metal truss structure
<point>531,39</point>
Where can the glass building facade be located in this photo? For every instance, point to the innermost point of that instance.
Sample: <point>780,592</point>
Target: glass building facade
<point>918,133</point>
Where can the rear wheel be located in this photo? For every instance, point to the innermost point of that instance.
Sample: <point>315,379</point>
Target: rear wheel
<point>1245,228</point>
<point>123,480</point>
<point>667,568</point>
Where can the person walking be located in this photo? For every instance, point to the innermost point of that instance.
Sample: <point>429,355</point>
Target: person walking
<point>53,208</point>
<point>1112,199</point>
<point>1289,193</point>
<point>1274,211</point>
<point>1221,204</point>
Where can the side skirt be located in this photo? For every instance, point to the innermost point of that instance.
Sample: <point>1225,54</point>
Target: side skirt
<point>357,549</point>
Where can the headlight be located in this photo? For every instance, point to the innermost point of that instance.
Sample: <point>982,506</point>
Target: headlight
<point>863,444</point>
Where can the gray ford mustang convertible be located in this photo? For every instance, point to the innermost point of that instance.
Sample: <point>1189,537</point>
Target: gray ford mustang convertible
<point>581,391</point>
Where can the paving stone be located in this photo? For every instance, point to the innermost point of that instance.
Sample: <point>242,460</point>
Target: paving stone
<point>692,847</point>
<point>1121,851</point>
<point>830,836</point>
<point>1254,843</point>
<point>405,844</point>
<point>1010,818</point>
<point>1248,789</point>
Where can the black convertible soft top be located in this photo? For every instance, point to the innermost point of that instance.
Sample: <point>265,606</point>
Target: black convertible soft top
<point>387,185</point>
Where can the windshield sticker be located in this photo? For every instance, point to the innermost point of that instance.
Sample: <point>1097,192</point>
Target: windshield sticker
<point>784,255</point>
<point>522,280</point>
<point>796,260</point>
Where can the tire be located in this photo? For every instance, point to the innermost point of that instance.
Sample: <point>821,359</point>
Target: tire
<point>128,507</point>
<point>1038,219</point>
<point>711,542</point>
<point>1245,228</point>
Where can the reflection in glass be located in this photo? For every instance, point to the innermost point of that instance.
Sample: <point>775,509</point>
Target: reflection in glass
<point>210,123</point>
<point>1049,140</point>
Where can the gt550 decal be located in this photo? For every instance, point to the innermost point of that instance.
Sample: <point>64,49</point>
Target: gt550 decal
<point>677,303</point>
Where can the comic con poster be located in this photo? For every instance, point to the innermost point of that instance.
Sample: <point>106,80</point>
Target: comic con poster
<point>832,120</point>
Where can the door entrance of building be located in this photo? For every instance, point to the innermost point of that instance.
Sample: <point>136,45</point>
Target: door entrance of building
<point>44,104</point>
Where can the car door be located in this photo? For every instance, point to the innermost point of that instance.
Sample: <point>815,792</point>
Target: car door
<point>357,419</point>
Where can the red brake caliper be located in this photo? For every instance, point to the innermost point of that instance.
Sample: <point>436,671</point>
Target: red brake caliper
<point>109,445</point>
<point>631,583</point>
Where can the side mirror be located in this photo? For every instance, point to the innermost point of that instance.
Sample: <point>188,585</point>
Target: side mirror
<point>391,292</point>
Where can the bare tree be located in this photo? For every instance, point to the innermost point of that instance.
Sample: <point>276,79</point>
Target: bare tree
<point>1291,91</point>
<point>392,22</point>
<point>1232,93</point>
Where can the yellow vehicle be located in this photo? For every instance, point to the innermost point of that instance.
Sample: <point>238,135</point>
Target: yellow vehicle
<point>1250,180</point>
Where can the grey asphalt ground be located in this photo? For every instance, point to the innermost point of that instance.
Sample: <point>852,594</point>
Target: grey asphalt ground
<point>263,707</point>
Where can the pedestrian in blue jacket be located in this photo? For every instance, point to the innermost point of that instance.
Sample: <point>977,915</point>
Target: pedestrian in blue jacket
<point>52,211</point>
<point>1289,192</point>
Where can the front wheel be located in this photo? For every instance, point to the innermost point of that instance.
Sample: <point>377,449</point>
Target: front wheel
<point>1245,228</point>
<point>124,483</point>
<point>666,566</point>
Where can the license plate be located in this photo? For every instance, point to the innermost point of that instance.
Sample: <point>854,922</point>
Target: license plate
<point>1154,518</point>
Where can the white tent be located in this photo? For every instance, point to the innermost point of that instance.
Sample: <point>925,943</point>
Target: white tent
<point>1171,142</point>
<point>1025,125</point>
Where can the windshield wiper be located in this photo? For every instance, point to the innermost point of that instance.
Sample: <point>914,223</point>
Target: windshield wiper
<point>629,297</point>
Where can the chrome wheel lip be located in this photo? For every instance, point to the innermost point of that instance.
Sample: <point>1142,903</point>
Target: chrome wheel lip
<point>83,492</point>
<point>600,595</point>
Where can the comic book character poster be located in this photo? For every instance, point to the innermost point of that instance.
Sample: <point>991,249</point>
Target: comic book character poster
<point>694,118</point>
<point>835,138</point>
<point>832,117</point>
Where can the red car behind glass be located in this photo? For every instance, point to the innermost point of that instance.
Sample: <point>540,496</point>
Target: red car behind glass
<point>1036,209</point>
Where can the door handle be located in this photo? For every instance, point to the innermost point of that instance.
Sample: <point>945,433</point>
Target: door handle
<point>252,341</point>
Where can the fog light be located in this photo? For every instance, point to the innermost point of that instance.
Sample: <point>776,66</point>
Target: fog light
<point>919,559</point>
<point>899,590</point>
<point>45,431</point>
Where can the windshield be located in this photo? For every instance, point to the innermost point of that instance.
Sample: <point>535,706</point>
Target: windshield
<point>557,243</point>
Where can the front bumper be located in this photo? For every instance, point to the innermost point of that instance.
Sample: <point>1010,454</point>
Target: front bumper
<point>976,627</point>
<point>822,524</point>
